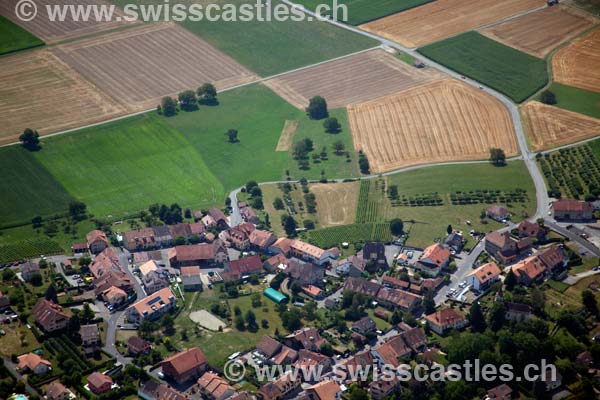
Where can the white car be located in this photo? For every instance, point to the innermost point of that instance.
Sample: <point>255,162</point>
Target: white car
<point>160,375</point>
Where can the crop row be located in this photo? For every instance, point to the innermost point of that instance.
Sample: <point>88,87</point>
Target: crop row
<point>29,249</point>
<point>355,233</point>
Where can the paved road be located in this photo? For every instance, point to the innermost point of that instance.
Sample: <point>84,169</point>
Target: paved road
<point>573,279</point>
<point>235,218</point>
<point>574,237</point>
<point>13,370</point>
<point>464,266</point>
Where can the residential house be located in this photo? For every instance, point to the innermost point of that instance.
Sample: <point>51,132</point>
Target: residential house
<point>152,390</point>
<point>79,248</point>
<point>190,278</point>
<point>154,281</point>
<point>500,392</point>
<point>392,352</point>
<point>162,236</point>
<point>57,391</point>
<point>136,345</point>
<point>364,325</point>
<point>141,239</point>
<point>352,266</point>
<point>325,390</point>
<point>445,319</point>
<point>484,276</point>
<point>276,263</point>
<point>384,388</point>
<point>262,240</point>
<point>212,387</point>
<point>248,214</point>
<point>279,388</point>
<point>363,286</point>
<point>104,263</point>
<point>236,238</point>
<point>312,291</point>
<point>282,245</point>
<point>219,218</point>
<point>152,307</point>
<point>396,298</point>
<point>572,210</point>
<point>415,338</point>
<point>205,254</point>
<point>99,383</point>
<point>182,230</point>
<point>395,283</point>
<point>147,267</point>
<point>498,213</point>
<point>433,260</point>
<point>244,267</point>
<point>96,241</point>
<point>309,359</point>
<point>403,260</point>
<point>268,346</point>
<point>455,241</point>
<point>529,270</point>
<point>517,311</point>
<point>532,230</point>
<point>185,366</point>
<point>32,363</point>
<point>286,356</point>
<point>305,273</point>
<point>145,256</point>
<point>312,253</point>
<point>197,229</point>
<point>305,338</point>
<point>375,253</point>
<point>28,270</point>
<point>90,337</point>
<point>555,258</point>
<point>114,296</point>
<point>501,246</point>
<point>50,316</point>
<point>360,359</point>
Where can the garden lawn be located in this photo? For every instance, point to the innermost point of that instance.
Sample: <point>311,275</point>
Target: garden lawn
<point>363,11</point>
<point>577,100</point>
<point>259,116</point>
<point>431,221</point>
<point>123,167</point>
<point>27,188</point>
<point>270,48</point>
<point>14,38</point>
<point>512,72</point>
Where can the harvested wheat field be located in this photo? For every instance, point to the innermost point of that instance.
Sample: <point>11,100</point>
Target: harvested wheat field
<point>38,91</point>
<point>56,31</point>
<point>441,121</point>
<point>354,79</point>
<point>541,31</point>
<point>287,135</point>
<point>578,64</point>
<point>336,202</point>
<point>444,18</point>
<point>140,65</point>
<point>549,126</point>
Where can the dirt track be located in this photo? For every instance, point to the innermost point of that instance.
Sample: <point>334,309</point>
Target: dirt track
<point>38,91</point>
<point>287,135</point>
<point>549,126</point>
<point>540,32</point>
<point>578,64</point>
<point>443,18</point>
<point>336,202</point>
<point>140,65</point>
<point>56,31</point>
<point>351,80</point>
<point>441,121</point>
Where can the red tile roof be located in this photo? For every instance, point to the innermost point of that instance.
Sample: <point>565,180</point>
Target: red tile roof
<point>186,360</point>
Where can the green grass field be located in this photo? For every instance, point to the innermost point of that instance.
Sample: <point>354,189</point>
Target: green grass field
<point>27,188</point>
<point>273,47</point>
<point>431,221</point>
<point>595,145</point>
<point>125,166</point>
<point>362,11</point>
<point>514,73</point>
<point>577,100</point>
<point>14,38</point>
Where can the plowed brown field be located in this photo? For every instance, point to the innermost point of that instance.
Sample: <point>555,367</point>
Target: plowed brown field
<point>443,18</point>
<point>549,126</point>
<point>350,80</point>
<point>38,91</point>
<point>440,121</point>
<point>56,31</point>
<point>541,31</point>
<point>578,64</point>
<point>140,65</point>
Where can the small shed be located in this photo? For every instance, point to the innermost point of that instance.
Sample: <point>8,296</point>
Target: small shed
<point>275,295</point>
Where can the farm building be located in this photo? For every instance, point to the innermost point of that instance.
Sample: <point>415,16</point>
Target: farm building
<point>275,295</point>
